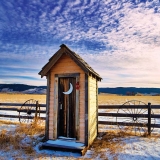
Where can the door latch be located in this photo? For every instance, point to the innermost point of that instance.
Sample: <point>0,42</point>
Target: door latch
<point>61,106</point>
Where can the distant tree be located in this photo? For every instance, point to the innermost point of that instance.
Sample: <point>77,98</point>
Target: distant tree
<point>128,93</point>
<point>133,93</point>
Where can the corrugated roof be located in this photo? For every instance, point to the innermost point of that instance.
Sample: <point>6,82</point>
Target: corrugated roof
<point>79,61</point>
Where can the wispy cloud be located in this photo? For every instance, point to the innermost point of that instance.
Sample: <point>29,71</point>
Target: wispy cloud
<point>119,39</point>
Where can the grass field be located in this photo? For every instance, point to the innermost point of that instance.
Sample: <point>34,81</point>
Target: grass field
<point>21,98</point>
<point>102,98</point>
<point>119,100</point>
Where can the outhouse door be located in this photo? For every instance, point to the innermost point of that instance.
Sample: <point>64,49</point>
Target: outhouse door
<point>67,108</point>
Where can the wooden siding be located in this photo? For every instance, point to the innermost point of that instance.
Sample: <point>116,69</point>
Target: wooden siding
<point>92,110</point>
<point>63,66</point>
<point>47,108</point>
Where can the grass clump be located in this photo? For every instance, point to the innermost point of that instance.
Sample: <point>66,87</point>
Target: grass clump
<point>37,127</point>
<point>7,139</point>
<point>108,142</point>
<point>8,122</point>
<point>23,138</point>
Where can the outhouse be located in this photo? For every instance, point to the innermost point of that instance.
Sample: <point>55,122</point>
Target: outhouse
<point>72,101</point>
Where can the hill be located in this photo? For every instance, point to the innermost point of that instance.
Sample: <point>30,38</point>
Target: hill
<point>28,89</point>
<point>23,88</point>
<point>130,91</point>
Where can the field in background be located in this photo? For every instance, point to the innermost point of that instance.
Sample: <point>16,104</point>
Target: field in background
<point>119,100</point>
<point>102,98</point>
<point>21,98</point>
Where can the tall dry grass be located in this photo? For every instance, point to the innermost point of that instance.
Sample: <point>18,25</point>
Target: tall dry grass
<point>7,139</point>
<point>37,127</point>
<point>15,139</point>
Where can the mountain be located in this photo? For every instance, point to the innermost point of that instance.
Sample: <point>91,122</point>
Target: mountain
<point>23,88</point>
<point>28,89</point>
<point>130,91</point>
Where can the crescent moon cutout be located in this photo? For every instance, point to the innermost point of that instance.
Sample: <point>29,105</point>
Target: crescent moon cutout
<point>70,90</point>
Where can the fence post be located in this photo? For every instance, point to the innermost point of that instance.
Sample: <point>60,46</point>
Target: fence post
<point>36,109</point>
<point>39,109</point>
<point>149,119</point>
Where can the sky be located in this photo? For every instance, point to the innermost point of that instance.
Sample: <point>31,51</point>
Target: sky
<point>119,39</point>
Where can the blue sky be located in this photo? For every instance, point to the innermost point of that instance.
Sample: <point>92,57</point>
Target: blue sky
<point>119,39</point>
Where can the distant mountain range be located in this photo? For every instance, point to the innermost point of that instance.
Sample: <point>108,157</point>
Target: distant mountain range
<point>130,91</point>
<point>28,89</point>
<point>22,88</point>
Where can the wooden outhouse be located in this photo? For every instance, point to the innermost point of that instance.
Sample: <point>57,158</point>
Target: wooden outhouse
<point>72,102</point>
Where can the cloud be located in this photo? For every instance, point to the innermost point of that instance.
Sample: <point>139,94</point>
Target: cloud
<point>19,80</point>
<point>119,39</point>
<point>21,75</point>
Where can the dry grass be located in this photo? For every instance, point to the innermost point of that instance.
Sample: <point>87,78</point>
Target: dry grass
<point>21,98</point>
<point>102,98</point>
<point>119,100</point>
<point>110,142</point>
<point>31,129</point>
<point>14,140</point>
<point>8,122</point>
<point>7,139</point>
<point>113,99</point>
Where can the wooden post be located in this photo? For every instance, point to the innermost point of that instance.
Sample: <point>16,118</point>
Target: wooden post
<point>149,119</point>
<point>39,109</point>
<point>36,109</point>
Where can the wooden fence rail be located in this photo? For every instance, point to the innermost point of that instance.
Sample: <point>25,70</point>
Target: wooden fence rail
<point>17,107</point>
<point>149,115</point>
<point>127,106</point>
<point>20,104</point>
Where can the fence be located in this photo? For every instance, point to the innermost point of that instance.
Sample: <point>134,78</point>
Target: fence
<point>29,111</point>
<point>26,110</point>
<point>134,113</point>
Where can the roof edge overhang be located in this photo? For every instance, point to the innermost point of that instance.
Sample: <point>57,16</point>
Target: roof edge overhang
<point>74,58</point>
<point>65,50</point>
<point>51,63</point>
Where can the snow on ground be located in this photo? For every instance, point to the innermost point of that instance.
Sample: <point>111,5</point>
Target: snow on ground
<point>132,148</point>
<point>140,148</point>
<point>129,148</point>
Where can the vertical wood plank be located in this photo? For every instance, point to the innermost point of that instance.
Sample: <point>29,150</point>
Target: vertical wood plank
<point>55,108</point>
<point>92,109</point>
<point>77,110</point>
<point>97,104</point>
<point>86,109</point>
<point>47,108</point>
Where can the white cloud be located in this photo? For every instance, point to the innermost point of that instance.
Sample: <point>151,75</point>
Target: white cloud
<point>55,10</point>
<point>130,32</point>
<point>40,82</point>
